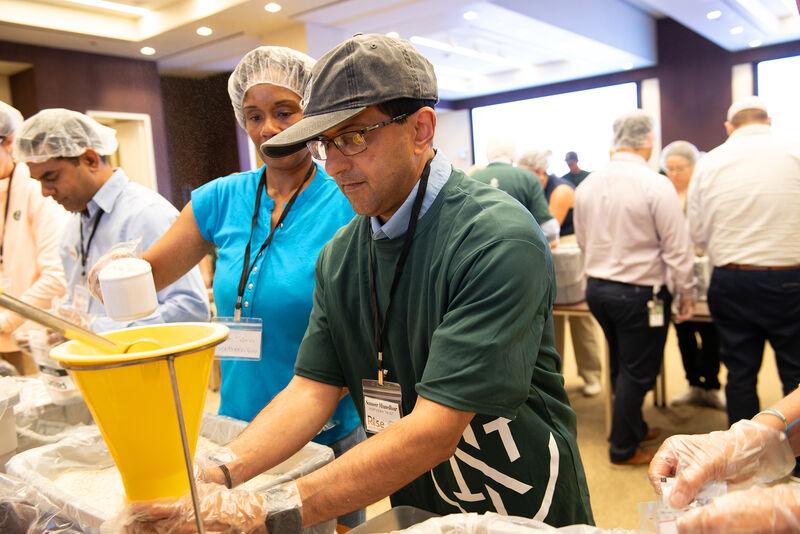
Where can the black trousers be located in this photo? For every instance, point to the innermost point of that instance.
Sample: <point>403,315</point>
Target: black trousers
<point>750,308</point>
<point>700,360</point>
<point>636,351</point>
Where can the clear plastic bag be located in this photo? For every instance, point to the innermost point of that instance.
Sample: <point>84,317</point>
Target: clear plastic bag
<point>24,510</point>
<point>491,523</point>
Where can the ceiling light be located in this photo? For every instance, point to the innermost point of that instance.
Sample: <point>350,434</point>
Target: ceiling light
<point>754,43</point>
<point>463,51</point>
<point>768,21</point>
<point>737,30</point>
<point>112,6</point>
<point>204,31</point>
<point>714,15</point>
<point>393,35</point>
<point>470,15</point>
<point>273,7</point>
<point>148,50</point>
<point>627,66</point>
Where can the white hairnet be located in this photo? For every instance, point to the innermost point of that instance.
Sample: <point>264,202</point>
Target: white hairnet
<point>535,159</point>
<point>501,149</point>
<point>277,65</point>
<point>684,149</point>
<point>631,129</point>
<point>10,119</point>
<point>61,133</point>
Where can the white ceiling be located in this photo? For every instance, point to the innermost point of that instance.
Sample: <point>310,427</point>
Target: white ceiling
<point>508,44</point>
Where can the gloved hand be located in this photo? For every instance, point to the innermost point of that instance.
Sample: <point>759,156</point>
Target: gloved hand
<point>206,467</point>
<point>223,510</point>
<point>748,451</point>
<point>127,249</point>
<point>752,511</point>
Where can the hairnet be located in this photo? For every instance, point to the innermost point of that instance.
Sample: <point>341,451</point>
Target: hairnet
<point>535,159</point>
<point>61,133</point>
<point>10,119</point>
<point>277,65</point>
<point>631,129</point>
<point>684,149</point>
<point>501,149</point>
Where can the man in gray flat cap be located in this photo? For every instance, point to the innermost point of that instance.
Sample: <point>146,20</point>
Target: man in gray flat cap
<point>434,309</point>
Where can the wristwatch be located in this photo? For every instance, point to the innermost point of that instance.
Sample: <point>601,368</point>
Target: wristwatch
<point>288,521</point>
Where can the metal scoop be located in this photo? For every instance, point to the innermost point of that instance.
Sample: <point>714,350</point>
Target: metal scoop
<point>70,330</point>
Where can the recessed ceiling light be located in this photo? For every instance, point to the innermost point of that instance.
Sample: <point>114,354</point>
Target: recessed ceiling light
<point>204,31</point>
<point>470,15</point>
<point>714,15</point>
<point>627,66</point>
<point>737,30</point>
<point>754,43</point>
<point>273,7</point>
<point>393,35</point>
<point>147,50</point>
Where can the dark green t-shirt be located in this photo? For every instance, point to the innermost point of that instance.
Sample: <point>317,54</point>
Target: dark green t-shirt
<point>576,179</point>
<point>471,328</point>
<point>520,184</point>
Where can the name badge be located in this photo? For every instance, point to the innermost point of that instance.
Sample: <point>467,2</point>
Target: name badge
<point>655,312</point>
<point>244,339</point>
<point>383,405</point>
<point>81,298</point>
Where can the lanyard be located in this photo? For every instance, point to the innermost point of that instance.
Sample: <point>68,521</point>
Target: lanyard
<point>248,267</point>
<point>379,325</point>
<point>84,252</point>
<point>5,217</point>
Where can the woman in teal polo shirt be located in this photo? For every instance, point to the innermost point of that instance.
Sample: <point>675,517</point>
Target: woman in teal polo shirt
<point>298,210</point>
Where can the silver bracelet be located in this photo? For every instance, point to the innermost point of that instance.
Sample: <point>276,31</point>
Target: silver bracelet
<point>776,413</point>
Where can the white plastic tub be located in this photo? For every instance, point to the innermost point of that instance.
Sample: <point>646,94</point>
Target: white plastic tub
<point>84,453</point>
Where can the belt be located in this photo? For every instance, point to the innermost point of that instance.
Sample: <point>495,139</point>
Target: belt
<point>744,267</point>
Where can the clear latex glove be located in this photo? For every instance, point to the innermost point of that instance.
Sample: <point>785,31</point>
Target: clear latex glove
<point>223,510</point>
<point>752,511</point>
<point>75,317</point>
<point>127,249</point>
<point>747,452</point>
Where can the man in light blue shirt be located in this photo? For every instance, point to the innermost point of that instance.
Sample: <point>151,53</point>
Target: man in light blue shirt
<point>68,153</point>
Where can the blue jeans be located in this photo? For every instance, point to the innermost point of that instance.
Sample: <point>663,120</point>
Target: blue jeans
<point>353,519</point>
<point>750,308</point>
<point>636,351</point>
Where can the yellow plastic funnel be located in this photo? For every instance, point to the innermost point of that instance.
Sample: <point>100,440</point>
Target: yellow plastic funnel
<point>131,398</point>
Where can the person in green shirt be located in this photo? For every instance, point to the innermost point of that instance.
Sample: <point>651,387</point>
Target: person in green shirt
<point>575,175</point>
<point>433,309</point>
<point>519,183</point>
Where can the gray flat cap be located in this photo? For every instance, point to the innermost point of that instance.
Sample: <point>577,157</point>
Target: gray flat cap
<point>363,71</point>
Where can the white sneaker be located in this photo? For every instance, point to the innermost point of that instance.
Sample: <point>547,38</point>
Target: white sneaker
<point>694,396</point>
<point>592,389</point>
<point>714,398</point>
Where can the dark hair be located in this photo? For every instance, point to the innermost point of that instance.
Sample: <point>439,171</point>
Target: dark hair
<point>400,106</point>
<point>75,160</point>
<point>748,116</point>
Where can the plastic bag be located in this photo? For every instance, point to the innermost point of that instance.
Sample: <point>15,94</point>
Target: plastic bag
<point>491,523</point>
<point>24,510</point>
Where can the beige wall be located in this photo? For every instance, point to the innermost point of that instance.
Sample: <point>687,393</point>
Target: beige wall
<point>454,137</point>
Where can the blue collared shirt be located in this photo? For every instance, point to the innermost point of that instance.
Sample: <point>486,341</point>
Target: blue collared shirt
<point>441,168</point>
<point>130,212</point>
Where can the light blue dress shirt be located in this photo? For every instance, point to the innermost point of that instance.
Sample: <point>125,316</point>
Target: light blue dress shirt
<point>441,168</point>
<point>129,212</point>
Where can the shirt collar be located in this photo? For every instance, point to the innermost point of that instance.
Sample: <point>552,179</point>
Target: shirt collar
<point>750,129</point>
<point>398,223</point>
<point>107,195</point>
<point>628,156</point>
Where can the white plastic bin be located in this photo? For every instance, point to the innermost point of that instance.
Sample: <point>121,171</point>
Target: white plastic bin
<point>570,278</point>
<point>82,461</point>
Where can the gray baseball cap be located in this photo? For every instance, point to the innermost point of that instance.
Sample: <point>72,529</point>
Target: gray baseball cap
<point>365,70</point>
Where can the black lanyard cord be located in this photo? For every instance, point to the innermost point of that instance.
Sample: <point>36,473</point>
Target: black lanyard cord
<point>248,267</point>
<point>379,325</point>
<point>84,252</point>
<point>5,217</point>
